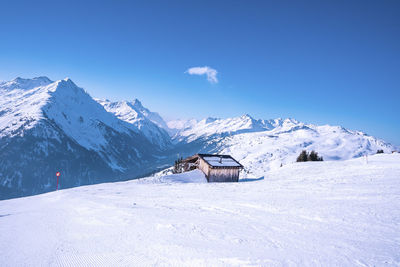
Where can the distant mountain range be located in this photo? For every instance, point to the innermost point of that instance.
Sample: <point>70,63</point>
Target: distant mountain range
<point>48,126</point>
<point>261,145</point>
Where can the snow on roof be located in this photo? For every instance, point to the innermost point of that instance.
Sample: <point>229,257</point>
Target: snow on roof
<point>221,161</point>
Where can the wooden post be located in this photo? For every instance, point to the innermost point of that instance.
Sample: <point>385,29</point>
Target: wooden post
<point>58,175</point>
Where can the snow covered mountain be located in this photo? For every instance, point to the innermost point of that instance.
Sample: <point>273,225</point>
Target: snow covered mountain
<point>261,145</point>
<point>148,123</point>
<point>191,130</point>
<point>48,126</point>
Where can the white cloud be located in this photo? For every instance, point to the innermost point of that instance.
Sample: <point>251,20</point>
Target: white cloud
<point>210,72</point>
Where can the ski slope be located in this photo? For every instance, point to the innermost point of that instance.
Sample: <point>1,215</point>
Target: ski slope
<point>336,213</point>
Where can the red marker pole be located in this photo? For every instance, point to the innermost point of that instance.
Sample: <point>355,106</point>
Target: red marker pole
<point>58,175</point>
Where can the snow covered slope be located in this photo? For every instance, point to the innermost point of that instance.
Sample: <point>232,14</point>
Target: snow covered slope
<point>264,144</point>
<point>149,123</point>
<point>48,126</point>
<point>336,213</point>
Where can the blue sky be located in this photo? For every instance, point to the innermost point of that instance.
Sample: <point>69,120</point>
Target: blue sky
<point>322,62</point>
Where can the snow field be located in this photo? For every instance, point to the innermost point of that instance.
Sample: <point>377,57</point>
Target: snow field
<point>338,213</point>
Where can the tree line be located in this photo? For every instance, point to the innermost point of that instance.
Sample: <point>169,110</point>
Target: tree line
<point>305,156</point>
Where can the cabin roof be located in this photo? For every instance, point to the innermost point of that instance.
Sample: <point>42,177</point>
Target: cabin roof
<point>217,161</point>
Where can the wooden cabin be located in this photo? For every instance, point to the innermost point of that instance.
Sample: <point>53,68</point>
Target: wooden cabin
<point>217,168</point>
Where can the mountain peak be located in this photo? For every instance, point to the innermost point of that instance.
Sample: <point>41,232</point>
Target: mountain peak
<point>64,85</point>
<point>210,120</point>
<point>68,81</point>
<point>42,78</point>
<point>26,84</point>
<point>133,112</point>
<point>136,102</point>
<point>246,117</point>
<point>291,120</point>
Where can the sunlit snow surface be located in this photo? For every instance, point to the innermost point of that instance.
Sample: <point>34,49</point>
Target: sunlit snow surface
<point>340,213</point>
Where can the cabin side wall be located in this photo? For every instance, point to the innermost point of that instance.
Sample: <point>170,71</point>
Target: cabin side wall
<point>218,175</point>
<point>204,167</point>
<point>223,175</point>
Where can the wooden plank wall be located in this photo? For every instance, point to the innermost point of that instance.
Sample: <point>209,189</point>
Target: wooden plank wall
<point>220,174</point>
<point>223,175</point>
<point>204,167</point>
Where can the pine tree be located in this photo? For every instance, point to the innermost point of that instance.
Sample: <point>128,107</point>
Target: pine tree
<point>177,166</point>
<point>302,157</point>
<point>313,156</point>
